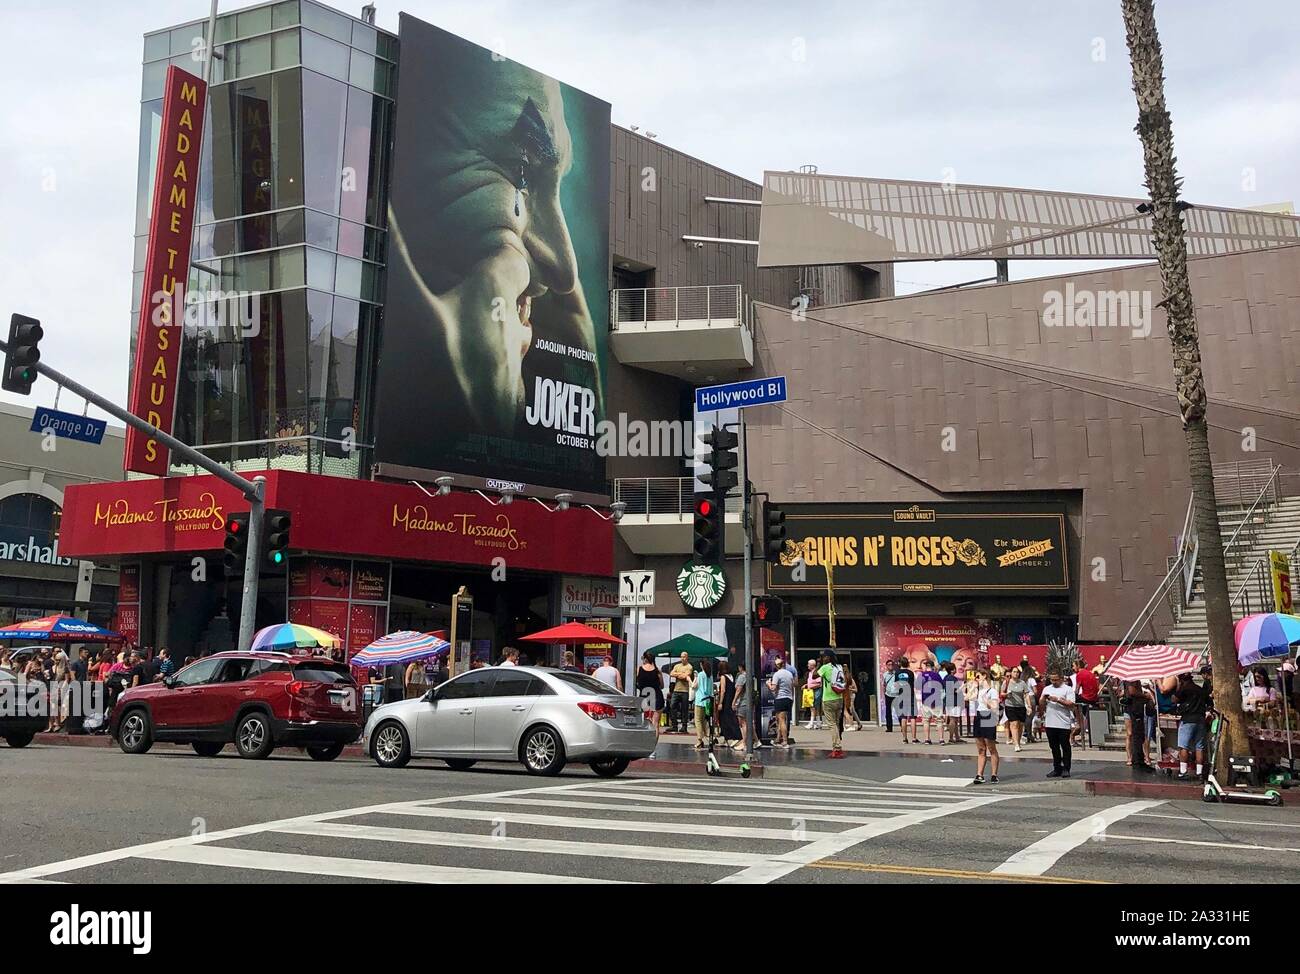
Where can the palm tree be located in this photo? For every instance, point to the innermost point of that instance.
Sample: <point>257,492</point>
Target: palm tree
<point>1155,130</point>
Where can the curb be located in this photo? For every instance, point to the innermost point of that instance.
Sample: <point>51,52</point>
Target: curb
<point>1142,789</point>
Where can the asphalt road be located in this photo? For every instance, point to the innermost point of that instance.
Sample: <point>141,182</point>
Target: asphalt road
<point>84,815</point>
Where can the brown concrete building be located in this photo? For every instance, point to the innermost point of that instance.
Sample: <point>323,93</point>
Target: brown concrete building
<point>968,396</point>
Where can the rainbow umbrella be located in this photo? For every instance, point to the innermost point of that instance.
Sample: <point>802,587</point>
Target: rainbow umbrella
<point>400,647</point>
<point>292,635</point>
<point>1265,634</point>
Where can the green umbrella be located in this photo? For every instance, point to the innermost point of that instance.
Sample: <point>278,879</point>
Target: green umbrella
<point>692,646</point>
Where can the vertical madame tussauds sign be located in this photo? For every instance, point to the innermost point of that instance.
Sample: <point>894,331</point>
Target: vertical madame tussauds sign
<point>166,269</point>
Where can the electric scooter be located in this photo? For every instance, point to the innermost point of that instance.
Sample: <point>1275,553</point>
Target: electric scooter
<point>1214,792</point>
<point>714,769</point>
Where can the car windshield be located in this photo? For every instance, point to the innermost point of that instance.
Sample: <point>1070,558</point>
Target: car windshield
<point>584,684</point>
<point>322,672</point>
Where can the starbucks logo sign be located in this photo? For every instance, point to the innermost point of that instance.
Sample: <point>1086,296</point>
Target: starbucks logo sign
<point>701,586</point>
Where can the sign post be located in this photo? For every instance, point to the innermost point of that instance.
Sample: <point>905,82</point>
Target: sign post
<point>462,631</point>
<point>636,589</point>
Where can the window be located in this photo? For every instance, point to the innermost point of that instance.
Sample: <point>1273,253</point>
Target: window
<point>513,682</point>
<point>201,672</point>
<point>27,518</point>
<point>581,683</point>
<point>470,686</point>
<point>320,672</point>
<point>238,670</point>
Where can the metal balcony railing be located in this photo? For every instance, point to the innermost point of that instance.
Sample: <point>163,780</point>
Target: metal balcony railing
<point>304,454</point>
<point>723,303</point>
<point>662,495</point>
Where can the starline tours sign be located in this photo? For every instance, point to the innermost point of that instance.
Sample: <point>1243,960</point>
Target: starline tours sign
<point>336,515</point>
<point>166,269</point>
<point>954,548</point>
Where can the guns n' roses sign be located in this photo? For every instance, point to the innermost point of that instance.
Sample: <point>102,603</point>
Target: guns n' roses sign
<point>959,548</point>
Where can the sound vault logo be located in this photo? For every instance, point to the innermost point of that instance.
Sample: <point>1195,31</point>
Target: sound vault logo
<point>701,586</point>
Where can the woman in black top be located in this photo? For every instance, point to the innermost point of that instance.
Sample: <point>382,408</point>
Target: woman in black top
<point>726,693</point>
<point>649,687</point>
<point>1137,704</point>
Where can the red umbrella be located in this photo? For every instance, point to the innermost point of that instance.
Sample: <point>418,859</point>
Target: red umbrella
<point>572,632</point>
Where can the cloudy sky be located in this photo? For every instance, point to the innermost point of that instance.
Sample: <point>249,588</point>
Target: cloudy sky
<point>1003,92</point>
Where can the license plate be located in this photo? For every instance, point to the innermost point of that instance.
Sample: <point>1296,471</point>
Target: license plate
<point>632,718</point>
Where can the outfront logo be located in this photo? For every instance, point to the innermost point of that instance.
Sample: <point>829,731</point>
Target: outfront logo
<point>701,586</point>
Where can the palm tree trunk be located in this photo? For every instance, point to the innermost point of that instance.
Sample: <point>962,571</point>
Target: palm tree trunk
<point>1155,129</point>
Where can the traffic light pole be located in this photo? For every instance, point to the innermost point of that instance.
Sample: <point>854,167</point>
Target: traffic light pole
<point>252,564</point>
<point>252,490</point>
<point>752,671</point>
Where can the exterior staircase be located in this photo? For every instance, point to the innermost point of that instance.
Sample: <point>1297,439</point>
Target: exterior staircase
<point>1259,515</point>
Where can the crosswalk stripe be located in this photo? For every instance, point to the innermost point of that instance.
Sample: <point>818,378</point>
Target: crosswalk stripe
<point>608,824</point>
<point>680,810</point>
<point>773,800</point>
<point>402,872</point>
<point>1036,859</point>
<point>789,789</point>
<point>930,780</point>
<point>778,866</point>
<point>512,843</point>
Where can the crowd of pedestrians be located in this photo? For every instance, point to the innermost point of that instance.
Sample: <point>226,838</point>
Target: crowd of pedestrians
<point>82,678</point>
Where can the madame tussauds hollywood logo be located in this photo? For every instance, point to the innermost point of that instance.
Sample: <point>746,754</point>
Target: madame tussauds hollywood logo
<point>207,514</point>
<point>499,533</point>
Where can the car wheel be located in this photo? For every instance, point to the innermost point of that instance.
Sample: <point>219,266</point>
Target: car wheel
<point>459,764</point>
<point>19,740</point>
<point>391,747</point>
<point>610,767</point>
<point>135,733</point>
<point>543,752</point>
<point>325,752</point>
<point>253,736</point>
<point>208,749</point>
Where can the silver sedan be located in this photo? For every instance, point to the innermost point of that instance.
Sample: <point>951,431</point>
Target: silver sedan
<point>538,716</point>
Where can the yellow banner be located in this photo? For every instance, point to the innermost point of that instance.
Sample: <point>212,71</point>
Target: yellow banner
<point>1028,551</point>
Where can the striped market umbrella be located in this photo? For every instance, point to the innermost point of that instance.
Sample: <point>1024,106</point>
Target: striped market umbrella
<point>293,635</point>
<point>1153,663</point>
<point>1265,634</point>
<point>400,647</point>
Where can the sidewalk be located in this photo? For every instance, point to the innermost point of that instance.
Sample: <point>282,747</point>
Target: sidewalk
<point>877,741</point>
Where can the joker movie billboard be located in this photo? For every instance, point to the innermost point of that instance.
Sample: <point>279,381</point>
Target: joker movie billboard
<point>493,352</point>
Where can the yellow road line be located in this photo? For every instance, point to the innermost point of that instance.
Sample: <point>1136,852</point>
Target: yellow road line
<point>871,867</point>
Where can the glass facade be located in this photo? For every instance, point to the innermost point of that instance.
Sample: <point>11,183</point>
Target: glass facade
<point>292,216</point>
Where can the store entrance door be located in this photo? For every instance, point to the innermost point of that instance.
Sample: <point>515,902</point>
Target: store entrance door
<point>861,662</point>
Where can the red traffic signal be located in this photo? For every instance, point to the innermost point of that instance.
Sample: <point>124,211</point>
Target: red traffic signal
<point>704,507</point>
<point>768,610</point>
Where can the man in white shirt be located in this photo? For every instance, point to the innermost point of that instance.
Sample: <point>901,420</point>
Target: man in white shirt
<point>510,657</point>
<point>608,673</point>
<point>1059,711</point>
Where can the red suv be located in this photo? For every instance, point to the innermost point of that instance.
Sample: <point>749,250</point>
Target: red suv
<point>258,700</point>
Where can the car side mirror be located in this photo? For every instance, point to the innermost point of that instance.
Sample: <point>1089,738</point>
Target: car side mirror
<point>169,682</point>
<point>431,696</point>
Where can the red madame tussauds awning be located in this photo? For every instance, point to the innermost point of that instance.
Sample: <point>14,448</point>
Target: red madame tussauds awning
<point>336,515</point>
<point>571,632</point>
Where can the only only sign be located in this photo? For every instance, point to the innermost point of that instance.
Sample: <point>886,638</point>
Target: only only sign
<point>738,395</point>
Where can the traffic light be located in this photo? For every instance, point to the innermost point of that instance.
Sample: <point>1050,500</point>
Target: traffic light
<point>22,355</point>
<point>236,547</point>
<point>768,610</point>
<point>774,533</point>
<point>708,530</point>
<point>275,539</point>
<point>722,459</point>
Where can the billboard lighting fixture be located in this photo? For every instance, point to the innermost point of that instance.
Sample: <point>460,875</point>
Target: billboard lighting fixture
<point>561,502</point>
<point>444,485</point>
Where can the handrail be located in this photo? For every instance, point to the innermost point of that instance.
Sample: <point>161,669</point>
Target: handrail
<point>1251,510</point>
<point>691,302</point>
<point>1144,616</point>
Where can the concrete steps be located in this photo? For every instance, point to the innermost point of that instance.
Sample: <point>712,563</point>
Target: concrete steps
<point>1279,530</point>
